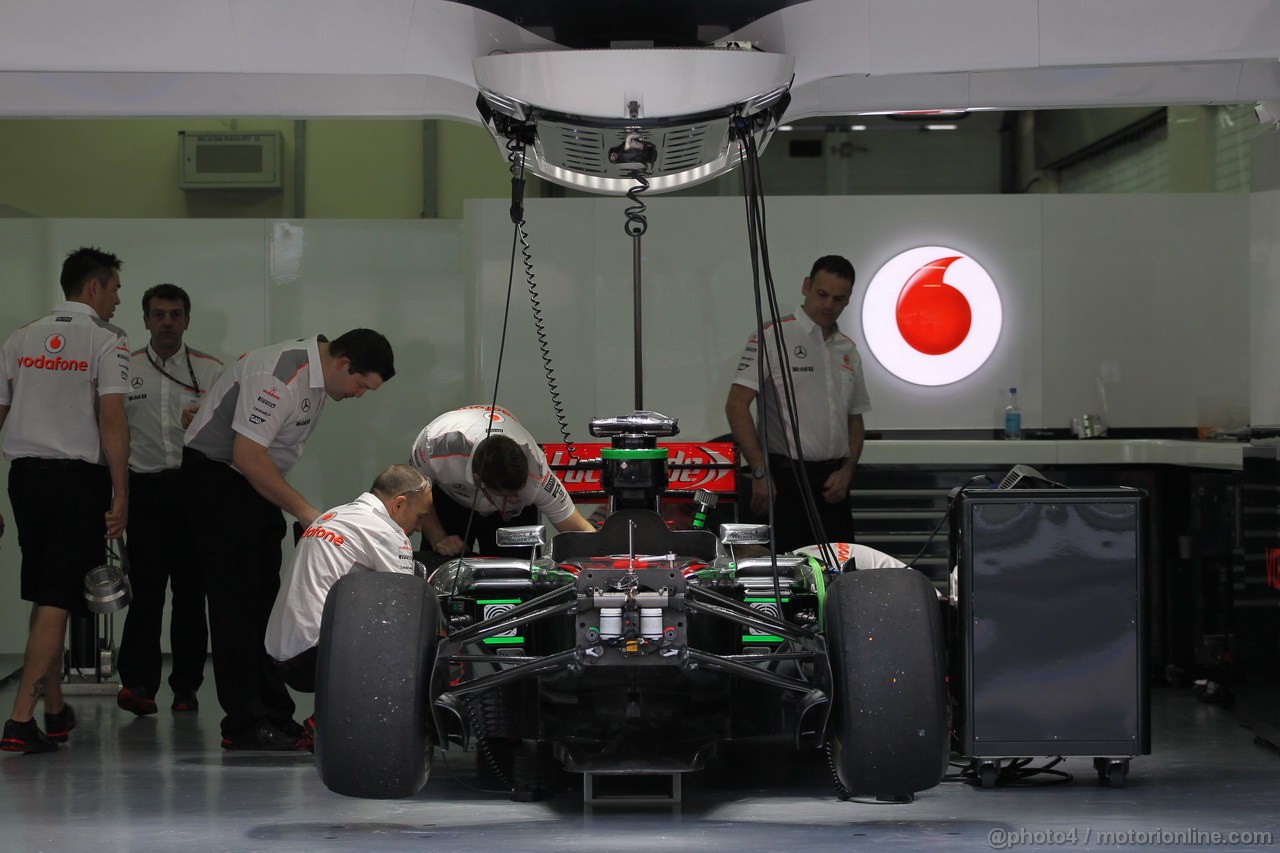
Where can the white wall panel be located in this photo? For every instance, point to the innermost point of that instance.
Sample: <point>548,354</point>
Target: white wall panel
<point>562,248</point>
<point>403,278</point>
<point>1264,308</point>
<point>1112,286</point>
<point>220,263</point>
<point>1151,294</point>
<point>28,277</point>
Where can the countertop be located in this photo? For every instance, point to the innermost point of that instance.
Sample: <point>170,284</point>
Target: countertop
<point>1091,451</point>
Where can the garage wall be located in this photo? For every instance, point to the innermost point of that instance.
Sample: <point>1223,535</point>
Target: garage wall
<point>1141,299</point>
<point>1150,293</point>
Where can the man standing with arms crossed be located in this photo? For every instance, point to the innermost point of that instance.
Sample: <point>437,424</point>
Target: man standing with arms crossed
<point>831,397</point>
<point>62,397</point>
<point>168,380</point>
<point>249,433</point>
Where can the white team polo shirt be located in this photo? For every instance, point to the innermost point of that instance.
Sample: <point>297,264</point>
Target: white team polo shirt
<point>159,390</point>
<point>358,535</point>
<point>55,369</point>
<point>443,450</point>
<point>272,396</point>
<point>827,379</point>
<point>863,556</point>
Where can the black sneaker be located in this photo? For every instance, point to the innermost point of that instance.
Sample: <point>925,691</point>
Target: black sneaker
<point>136,701</point>
<point>265,738</point>
<point>57,727</point>
<point>185,702</point>
<point>25,737</point>
<point>299,731</point>
<point>309,738</point>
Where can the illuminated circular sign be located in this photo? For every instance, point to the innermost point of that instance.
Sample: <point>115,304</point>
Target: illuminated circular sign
<point>931,315</point>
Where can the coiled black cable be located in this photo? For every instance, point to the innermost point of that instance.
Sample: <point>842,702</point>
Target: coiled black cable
<point>637,223</point>
<point>544,348</point>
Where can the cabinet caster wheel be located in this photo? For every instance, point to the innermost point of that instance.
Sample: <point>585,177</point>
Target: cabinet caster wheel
<point>988,772</point>
<point>1112,771</point>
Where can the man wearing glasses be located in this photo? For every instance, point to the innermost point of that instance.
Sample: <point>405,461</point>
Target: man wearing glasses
<point>371,534</point>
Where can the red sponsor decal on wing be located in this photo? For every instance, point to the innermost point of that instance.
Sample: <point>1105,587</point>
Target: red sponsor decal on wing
<point>710,465</point>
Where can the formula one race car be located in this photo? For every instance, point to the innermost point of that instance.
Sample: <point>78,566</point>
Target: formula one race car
<point>637,649</point>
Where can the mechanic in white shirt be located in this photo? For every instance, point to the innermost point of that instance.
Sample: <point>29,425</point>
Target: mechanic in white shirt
<point>248,434</point>
<point>62,388</point>
<point>849,556</point>
<point>370,533</point>
<point>831,398</point>
<point>169,378</point>
<point>481,458</point>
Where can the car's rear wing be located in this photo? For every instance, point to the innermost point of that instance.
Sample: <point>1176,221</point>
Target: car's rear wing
<point>709,465</point>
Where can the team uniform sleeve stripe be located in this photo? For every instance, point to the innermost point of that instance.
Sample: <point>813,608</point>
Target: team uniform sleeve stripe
<point>291,363</point>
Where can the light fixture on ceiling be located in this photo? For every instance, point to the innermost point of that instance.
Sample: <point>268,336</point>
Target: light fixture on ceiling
<point>580,112</point>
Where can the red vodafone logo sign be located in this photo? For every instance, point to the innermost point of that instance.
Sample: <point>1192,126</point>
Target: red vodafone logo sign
<point>55,344</point>
<point>932,315</point>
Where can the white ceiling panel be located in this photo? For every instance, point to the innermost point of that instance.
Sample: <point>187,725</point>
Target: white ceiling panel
<point>913,36</point>
<point>1129,32</point>
<point>1111,86</point>
<point>414,57</point>
<point>121,35</point>
<point>322,36</point>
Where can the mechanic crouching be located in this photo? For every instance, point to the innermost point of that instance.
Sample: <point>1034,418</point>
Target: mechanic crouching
<point>370,533</point>
<point>486,472</point>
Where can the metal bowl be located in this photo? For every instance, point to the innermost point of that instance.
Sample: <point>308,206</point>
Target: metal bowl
<point>107,589</point>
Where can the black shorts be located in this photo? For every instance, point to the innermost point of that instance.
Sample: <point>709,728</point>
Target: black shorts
<point>59,507</point>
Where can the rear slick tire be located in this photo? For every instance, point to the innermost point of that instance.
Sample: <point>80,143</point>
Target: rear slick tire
<point>378,638</point>
<point>888,730</point>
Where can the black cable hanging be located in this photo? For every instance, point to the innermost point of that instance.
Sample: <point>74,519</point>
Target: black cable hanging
<point>758,238</point>
<point>515,156</point>
<point>762,350</point>
<point>801,471</point>
<point>544,347</point>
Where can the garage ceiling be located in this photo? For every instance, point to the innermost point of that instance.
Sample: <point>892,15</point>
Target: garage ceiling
<point>412,58</point>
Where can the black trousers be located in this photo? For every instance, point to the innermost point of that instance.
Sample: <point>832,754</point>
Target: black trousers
<point>236,535</point>
<point>484,528</point>
<point>300,672</point>
<point>790,522</point>
<point>162,555</point>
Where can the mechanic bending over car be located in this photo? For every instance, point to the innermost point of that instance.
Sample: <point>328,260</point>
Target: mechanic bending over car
<point>371,533</point>
<point>830,396</point>
<point>481,457</point>
<point>245,439</point>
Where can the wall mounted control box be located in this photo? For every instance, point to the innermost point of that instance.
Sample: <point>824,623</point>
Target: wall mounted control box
<point>229,161</point>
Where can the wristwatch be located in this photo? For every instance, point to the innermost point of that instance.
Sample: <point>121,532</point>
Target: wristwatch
<point>758,473</point>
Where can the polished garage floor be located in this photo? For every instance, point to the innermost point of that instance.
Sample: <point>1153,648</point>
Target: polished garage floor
<point>162,784</point>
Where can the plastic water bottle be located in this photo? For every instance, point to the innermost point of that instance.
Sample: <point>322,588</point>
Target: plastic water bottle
<point>1012,416</point>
